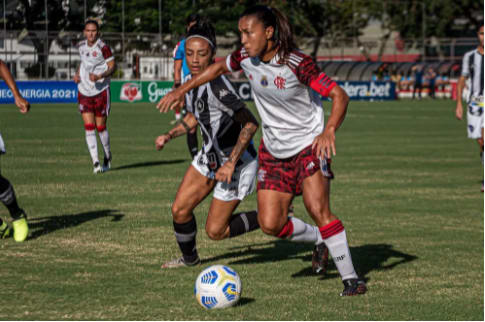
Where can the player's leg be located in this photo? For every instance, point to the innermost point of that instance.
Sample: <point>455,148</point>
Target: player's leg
<point>90,131</point>
<point>193,189</point>
<point>316,192</point>
<point>102,111</point>
<point>8,198</point>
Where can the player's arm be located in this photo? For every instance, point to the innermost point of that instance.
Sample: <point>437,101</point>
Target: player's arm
<point>77,76</point>
<point>176,97</point>
<point>177,72</point>
<point>459,94</point>
<point>188,123</point>
<point>111,69</point>
<point>21,102</point>
<point>249,127</point>
<point>325,142</point>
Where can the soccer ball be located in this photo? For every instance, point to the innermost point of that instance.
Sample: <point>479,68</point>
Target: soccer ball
<point>217,287</point>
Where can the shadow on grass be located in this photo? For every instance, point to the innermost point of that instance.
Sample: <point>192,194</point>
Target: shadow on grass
<point>147,164</point>
<point>366,258</point>
<point>45,225</point>
<point>245,301</point>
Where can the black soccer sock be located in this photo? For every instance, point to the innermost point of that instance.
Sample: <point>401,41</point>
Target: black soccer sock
<point>185,235</point>
<point>7,196</point>
<point>242,223</point>
<point>192,143</point>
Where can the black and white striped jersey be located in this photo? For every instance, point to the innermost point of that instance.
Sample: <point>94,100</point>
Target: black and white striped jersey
<point>472,67</point>
<point>214,105</point>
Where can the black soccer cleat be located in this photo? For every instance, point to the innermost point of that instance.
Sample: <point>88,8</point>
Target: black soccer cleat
<point>353,286</point>
<point>320,259</point>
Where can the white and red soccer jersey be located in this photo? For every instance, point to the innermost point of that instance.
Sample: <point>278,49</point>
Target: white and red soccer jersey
<point>93,60</point>
<point>287,99</point>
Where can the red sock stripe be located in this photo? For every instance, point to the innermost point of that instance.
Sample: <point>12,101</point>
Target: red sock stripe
<point>331,229</point>
<point>89,127</point>
<point>287,230</point>
<point>101,128</point>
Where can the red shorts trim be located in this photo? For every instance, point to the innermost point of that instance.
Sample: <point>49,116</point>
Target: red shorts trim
<point>99,104</point>
<point>287,175</point>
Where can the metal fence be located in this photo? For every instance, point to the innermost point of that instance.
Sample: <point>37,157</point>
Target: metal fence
<point>147,56</point>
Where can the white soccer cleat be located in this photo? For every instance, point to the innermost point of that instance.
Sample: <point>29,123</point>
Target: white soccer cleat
<point>97,168</point>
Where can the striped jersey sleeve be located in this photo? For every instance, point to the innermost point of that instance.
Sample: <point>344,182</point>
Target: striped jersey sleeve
<point>465,66</point>
<point>233,61</point>
<point>106,51</point>
<point>309,74</point>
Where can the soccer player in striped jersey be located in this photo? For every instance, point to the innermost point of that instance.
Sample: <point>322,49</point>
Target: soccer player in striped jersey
<point>296,147</point>
<point>7,193</point>
<point>93,78</point>
<point>226,164</point>
<point>472,67</point>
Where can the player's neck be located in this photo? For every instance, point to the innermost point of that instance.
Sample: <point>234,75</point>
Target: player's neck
<point>269,53</point>
<point>480,49</point>
<point>91,44</point>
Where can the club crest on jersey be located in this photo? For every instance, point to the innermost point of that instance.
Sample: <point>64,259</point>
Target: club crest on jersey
<point>95,54</point>
<point>250,77</point>
<point>264,81</point>
<point>199,105</point>
<point>280,82</point>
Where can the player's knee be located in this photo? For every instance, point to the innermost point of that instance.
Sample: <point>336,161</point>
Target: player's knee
<point>89,126</point>
<point>100,128</point>
<point>270,227</point>
<point>179,214</point>
<point>215,233</point>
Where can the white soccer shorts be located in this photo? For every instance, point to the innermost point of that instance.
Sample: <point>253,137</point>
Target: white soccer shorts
<point>475,118</point>
<point>2,145</point>
<point>243,179</point>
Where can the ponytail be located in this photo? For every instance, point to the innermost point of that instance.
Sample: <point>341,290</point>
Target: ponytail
<point>282,34</point>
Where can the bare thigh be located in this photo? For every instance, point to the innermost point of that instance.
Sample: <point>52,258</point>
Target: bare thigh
<point>316,198</point>
<point>273,210</point>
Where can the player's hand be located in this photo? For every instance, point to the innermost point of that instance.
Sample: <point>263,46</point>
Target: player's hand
<point>170,101</point>
<point>94,77</point>
<point>77,79</point>
<point>224,174</point>
<point>459,110</point>
<point>161,141</point>
<point>22,104</point>
<point>324,144</point>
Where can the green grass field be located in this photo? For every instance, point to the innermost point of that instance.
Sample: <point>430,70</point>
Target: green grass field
<point>407,189</point>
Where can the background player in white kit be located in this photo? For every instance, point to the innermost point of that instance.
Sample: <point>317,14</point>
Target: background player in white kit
<point>93,79</point>
<point>7,194</point>
<point>472,68</point>
<point>293,154</point>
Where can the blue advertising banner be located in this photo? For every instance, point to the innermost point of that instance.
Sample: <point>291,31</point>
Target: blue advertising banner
<point>369,90</point>
<point>41,92</point>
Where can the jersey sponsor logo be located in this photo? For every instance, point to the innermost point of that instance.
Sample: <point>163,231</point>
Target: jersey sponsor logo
<point>199,105</point>
<point>264,81</point>
<point>131,92</point>
<point>280,82</point>
<point>223,92</point>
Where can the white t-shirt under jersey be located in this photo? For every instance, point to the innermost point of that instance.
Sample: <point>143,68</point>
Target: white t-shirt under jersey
<point>287,98</point>
<point>93,60</point>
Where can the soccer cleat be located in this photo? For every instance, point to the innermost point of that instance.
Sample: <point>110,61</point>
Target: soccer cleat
<point>320,259</point>
<point>106,164</point>
<point>353,286</point>
<point>4,231</point>
<point>97,168</point>
<point>180,262</point>
<point>20,228</point>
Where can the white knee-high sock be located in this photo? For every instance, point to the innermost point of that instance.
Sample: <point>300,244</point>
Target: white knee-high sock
<point>92,145</point>
<point>299,231</point>
<point>335,238</point>
<point>104,138</point>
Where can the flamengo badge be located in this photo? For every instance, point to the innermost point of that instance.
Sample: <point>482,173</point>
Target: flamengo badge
<point>280,82</point>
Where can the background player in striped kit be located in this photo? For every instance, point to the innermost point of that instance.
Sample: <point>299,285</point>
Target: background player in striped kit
<point>226,164</point>
<point>93,79</point>
<point>472,67</point>
<point>7,193</point>
<point>294,151</point>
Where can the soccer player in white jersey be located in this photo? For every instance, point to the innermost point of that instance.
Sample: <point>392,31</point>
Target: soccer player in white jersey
<point>7,193</point>
<point>226,164</point>
<point>296,147</point>
<point>472,68</point>
<point>93,79</point>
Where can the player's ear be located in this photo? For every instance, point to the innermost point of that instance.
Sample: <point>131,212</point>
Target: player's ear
<point>269,32</point>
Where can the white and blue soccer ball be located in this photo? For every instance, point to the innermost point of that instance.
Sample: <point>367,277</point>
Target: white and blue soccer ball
<point>217,287</point>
